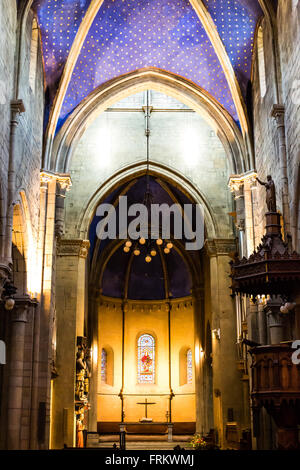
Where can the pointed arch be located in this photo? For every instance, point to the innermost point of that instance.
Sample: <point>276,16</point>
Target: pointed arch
<point>33,53</point>
<point>82,32</point>
<point>213,34</point>
<point>269,12</point>
<point>150,78</point>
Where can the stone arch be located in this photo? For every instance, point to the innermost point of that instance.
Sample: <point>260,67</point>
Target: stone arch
<point>261,61</point>
<point>208,378</point>
<point>136,170</point>
<point>165,82</point>
<point>19,250</point>
<point>33,53</point>
<point>23,10</point>
<point>23,249</point>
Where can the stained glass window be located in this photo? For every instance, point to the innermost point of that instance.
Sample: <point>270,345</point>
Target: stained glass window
<point>189,366</point>
<point>103,366</point>
<point>146,359</point>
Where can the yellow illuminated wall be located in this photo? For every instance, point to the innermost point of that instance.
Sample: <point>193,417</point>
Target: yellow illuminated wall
<point>151,318</point>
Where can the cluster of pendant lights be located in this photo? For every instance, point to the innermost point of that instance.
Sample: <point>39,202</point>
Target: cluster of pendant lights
<point>149,246</point>
<point>151,251</point>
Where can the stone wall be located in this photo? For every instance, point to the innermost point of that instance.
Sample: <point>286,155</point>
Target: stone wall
<point>180,139</point>
<point>14,84</point>
<point>288,18</point>
<point>30,129</point>
<point>8,23</point>
<point>265,134</point>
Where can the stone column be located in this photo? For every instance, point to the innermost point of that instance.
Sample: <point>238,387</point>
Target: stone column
<point>262,323</point>
<point>17,107</point>
<point>252,321</point>
<point>94,302</point>
<point>198,303</point>
<point>275,321</point>
<point>70,306</point>
<point>241,186</point>
<point>63,184</point>
<point>277,113</point>
<point>228,390</point>
<point>47,248</point>
<point>16,366</point>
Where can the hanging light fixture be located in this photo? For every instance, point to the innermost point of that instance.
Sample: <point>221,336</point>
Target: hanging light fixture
<point>148,247</point>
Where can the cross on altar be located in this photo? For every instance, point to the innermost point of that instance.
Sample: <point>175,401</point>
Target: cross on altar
<point>146,404</point>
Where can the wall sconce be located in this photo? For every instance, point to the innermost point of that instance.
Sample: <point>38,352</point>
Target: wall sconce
<point>217,333</point>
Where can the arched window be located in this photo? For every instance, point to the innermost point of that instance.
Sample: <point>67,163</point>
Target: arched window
<point>185,366</point>
<point>103,366</point>
<point>261,62</point>
<point>146,359</point>
<point>33,54</point>
<point>189,366</point>
<point>107,366</point>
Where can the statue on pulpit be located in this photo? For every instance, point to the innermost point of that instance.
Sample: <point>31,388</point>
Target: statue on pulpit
<point>271,193</point>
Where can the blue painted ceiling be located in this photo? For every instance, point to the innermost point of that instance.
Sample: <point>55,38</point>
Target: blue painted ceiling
<point>127,35</point>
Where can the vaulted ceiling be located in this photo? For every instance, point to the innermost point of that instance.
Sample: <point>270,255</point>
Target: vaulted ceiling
<point>208,42</point>
<point>119,274</point>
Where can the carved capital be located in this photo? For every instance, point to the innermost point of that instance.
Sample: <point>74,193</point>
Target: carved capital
<point>63,180</point>
<point>77,247</point>
<point>277,113</point>
<point>220,247</point>
<point>5,275</point>
<point>20,310</point>
<point>236,182</point>
<point>17,107</point>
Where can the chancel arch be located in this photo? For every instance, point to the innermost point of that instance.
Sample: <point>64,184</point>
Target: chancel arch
<point>194,151</point>
<point>161,81</point>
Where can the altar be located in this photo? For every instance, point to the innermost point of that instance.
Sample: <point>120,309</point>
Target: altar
<point>149,428</point>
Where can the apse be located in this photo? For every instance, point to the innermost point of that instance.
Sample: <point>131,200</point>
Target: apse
<point>167,276</point>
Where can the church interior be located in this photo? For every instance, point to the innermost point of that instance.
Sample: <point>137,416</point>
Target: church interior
<point>144,342</point>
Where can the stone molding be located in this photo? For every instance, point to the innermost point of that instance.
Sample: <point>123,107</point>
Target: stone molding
<point>73,247</point>
<point>278,112</point>
<point>235,182</point>
<point>220,247</point>
<point>17,107</point>
<point>20,310</point>
<point>63,179</point>
<point>152,305</point>
<point>5,275</point>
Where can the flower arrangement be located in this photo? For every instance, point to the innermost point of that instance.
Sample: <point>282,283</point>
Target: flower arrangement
<point>198,442</point>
